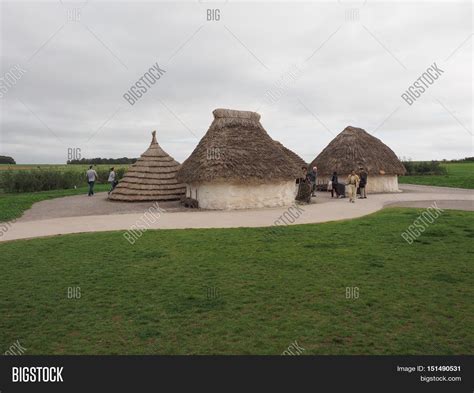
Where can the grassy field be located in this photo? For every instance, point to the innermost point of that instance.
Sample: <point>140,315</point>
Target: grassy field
<point>59,167</point>
<point>13,205</point>
<point>459,175</point>
<point>266,291</point>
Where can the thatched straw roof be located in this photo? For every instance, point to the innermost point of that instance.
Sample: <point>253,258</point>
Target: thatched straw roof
<point>151,178</point>
<point>292,155</point>
<point>354,148</point>
<point>245,153</point>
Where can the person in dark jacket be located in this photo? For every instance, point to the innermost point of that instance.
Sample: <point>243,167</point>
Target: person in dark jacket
<point>312,176</point>
<point>303,175</point>
<point>304,187</point>
<point>334,183</point>
<point>362,183</point>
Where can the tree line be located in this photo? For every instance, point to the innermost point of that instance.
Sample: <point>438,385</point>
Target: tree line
<point>7,160</point>
<point>98,161</point>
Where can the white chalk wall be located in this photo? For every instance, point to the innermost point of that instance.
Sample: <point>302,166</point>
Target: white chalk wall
<point>228,196</point>
<point>375,184</point>
<point>386,183</point>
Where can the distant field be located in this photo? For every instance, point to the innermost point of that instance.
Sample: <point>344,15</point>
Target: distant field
<point>20,179</point>
<point>59,167</point>
<point>460,175</point>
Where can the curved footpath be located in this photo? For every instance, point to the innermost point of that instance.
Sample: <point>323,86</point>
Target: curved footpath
<point>324,209</point>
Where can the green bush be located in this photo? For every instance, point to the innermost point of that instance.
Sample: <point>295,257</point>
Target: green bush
<point>47,179</point>
<point>40,180</point>
<point>417,168</point>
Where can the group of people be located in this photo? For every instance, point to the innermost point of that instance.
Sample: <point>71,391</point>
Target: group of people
<point>307,180</point>
<point>355,182</point>
<point>92,177</point>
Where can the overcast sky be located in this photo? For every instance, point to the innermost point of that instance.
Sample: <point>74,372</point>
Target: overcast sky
<point>328,65</point>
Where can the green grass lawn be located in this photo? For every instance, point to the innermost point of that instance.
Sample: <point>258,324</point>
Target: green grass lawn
<point>459,175</point>
<point>152,297</point>
<point>13,205</point>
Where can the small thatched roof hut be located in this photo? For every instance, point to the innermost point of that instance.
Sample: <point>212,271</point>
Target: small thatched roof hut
<point>151,178</point>
<point>238,165</point>
<point>354,148</point>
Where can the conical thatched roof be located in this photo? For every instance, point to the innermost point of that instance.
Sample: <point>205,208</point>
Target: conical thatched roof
<point>245,153</point>
<point>151,178</point>
<point>292,155</point>
<point>354,148</point>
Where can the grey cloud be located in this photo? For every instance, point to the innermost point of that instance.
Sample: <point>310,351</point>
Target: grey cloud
<point>75,83</point>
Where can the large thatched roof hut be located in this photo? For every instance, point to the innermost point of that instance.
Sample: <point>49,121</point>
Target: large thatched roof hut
<point>292,155</point>
<point>151,178</point>
<point>354,148</point>
<point>237,165</point>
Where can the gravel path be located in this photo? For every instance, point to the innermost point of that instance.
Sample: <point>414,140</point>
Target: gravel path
<point>83,205</point>
<point>83,214</point>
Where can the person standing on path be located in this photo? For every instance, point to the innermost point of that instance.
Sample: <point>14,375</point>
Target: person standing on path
<point>91,179</point>
<point>312,176</point>
<point>352,183</point>
<point>363,183</point>
<point>335,184</point>
<point>112,180</point>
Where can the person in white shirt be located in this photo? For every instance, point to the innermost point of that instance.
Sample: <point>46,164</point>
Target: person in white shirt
<point>112,180</point>
<point>91,179</point>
